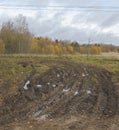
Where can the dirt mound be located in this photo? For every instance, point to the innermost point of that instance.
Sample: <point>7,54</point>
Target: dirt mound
<point>66,88</point>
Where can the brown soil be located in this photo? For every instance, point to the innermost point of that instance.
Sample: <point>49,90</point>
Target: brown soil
<point>64,91</point>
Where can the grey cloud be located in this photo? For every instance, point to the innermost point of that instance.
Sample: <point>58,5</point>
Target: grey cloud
<point>94,17</point>
<point>103,20</point>
<point>43,25</point>
<point>53,28</point>
<point>111,20</point>
<point>75,2</point>
<point>27,2</point>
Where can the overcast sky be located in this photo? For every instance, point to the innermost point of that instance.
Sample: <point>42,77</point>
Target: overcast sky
<point>75,20</point>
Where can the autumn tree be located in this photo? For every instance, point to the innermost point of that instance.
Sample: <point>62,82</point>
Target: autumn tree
<point>16,36</point>
<point>34,46</point>
<point>70,49</point>
<point>7,35</point>
<point>24,36</point>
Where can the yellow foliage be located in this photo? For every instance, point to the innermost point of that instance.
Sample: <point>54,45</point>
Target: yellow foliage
<point>34,46</point>
<point>70,49</point>
<point>90,49</point>
<point>95,50</point>
<point>57,49</point>
<point>51,49</point>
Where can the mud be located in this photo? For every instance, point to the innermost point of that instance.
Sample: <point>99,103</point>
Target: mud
<point>65,89</point>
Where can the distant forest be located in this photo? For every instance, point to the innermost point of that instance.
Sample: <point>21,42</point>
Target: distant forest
<point>15,38</point>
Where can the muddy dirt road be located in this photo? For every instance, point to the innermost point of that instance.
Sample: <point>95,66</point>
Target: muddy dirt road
<point>66,96</point>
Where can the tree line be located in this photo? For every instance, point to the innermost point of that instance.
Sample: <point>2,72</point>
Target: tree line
<point>15,38</point>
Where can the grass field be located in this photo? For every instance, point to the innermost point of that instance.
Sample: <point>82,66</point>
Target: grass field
<point>110,61</point>
<point>11,70</point>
